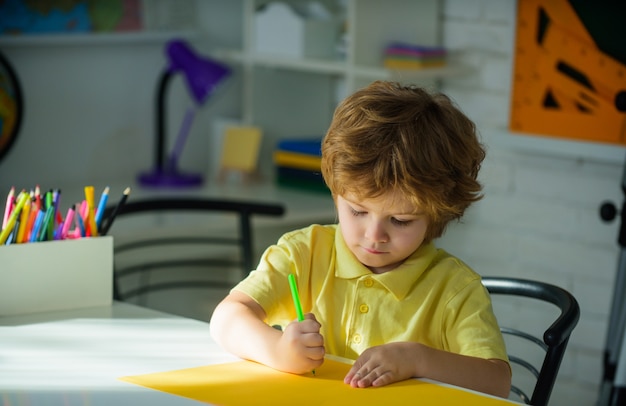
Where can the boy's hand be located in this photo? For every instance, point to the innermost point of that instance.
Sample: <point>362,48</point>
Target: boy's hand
<point>301,347</point>
<point>383,365</point>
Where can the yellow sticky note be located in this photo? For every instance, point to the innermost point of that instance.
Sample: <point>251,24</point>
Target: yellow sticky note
<point>240,149</point>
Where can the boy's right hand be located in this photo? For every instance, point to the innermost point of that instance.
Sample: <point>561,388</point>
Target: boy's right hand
<point>301,347</point>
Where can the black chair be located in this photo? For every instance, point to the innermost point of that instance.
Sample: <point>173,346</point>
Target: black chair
<point>556,333</point>
<point>181,232</point>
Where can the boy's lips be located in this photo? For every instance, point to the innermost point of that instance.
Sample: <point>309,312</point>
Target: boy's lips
<point>373,250</point>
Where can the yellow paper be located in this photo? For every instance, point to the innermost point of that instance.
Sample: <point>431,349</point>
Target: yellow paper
<point>248,383</point>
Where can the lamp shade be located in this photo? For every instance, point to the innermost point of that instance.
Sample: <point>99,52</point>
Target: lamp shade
<point>202,75</point>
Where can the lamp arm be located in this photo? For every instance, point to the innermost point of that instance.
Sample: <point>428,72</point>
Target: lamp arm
<point>172,163</point>
<point>164,80</point>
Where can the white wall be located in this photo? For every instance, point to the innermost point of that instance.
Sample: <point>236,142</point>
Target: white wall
<point>539,218</point>
<point>89,113</point>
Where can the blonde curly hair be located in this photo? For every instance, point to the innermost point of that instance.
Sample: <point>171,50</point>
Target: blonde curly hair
<point>388,137</point>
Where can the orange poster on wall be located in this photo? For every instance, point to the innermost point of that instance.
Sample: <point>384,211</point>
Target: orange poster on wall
<point>569,77</point>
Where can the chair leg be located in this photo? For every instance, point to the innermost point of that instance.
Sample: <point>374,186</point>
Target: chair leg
<point>116,289</point>
<point>246,243</point>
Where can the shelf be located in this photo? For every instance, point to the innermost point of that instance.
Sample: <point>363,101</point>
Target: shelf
<point>93,39</point>
<point>269,61</point>
<point>320,66</point>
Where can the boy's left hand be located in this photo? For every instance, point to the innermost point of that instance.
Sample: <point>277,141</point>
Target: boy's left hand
<point>383,365</point>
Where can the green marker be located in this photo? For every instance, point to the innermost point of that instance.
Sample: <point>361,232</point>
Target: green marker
<point>296,299</point>
<point>296,296</point>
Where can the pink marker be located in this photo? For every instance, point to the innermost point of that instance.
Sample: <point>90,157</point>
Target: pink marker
<point>69,218</point>
<point>9,207</point>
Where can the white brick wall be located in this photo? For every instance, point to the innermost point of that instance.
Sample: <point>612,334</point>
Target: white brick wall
<point>539,218</point>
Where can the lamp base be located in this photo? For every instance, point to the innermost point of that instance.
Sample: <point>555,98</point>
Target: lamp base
<point>170,179</point>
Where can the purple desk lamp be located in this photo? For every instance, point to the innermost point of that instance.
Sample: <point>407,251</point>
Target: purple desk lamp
<point>203,76</point>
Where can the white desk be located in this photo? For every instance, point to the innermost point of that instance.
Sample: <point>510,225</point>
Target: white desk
<point>75,357</point>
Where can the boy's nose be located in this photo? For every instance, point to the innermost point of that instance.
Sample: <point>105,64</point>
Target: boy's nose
<point>376,232</point>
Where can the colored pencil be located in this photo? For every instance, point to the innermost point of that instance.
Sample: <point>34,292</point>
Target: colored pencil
<point>24,215</point>
<point>8,229</point>
<point>101,206</point>
<point>111,218</point>
<point>8,207</point>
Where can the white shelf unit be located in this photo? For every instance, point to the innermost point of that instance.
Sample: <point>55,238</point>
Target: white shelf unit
<point>295,97</point>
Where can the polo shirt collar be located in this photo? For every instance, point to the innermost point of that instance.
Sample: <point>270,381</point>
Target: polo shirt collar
<point>398,281</point>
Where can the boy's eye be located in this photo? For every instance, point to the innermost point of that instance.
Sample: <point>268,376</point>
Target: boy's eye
<point>356,212</point>
<point>402,223</point>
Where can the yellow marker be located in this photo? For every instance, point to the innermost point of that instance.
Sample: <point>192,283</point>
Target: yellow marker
<point>21,231</point>
<point>91,210</point>
<point>23,196</point>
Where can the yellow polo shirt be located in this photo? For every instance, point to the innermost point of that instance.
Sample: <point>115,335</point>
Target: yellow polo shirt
<point>432,298</point>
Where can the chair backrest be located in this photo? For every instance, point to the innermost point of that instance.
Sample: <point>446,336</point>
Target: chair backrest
<point>555,333</point>
<point>219,230</point>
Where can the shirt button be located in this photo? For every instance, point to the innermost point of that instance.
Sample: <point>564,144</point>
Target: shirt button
<point>364,308</point>
<point>356,338</point>
<point>368,283</point>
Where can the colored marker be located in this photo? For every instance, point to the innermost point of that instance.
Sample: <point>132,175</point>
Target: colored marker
<point>295,296</point>
<point>91,214</point>
<point>69,218</point>
<point>4,235</point>
<point>38,196</point>
<point>13,236</point>
<point>45,231</point>
<point>8,208</point>
<point>48,198</point>
<point>45,226</point>
<point>31,220</point>
<point>296,299</point>
<point>56,198</point>
<point>37,225</point>
<point>80,225</point>
<point>83,209</point>
<point>21,231</point>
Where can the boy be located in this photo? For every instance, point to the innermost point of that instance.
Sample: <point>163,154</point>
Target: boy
<point>401,164</point>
